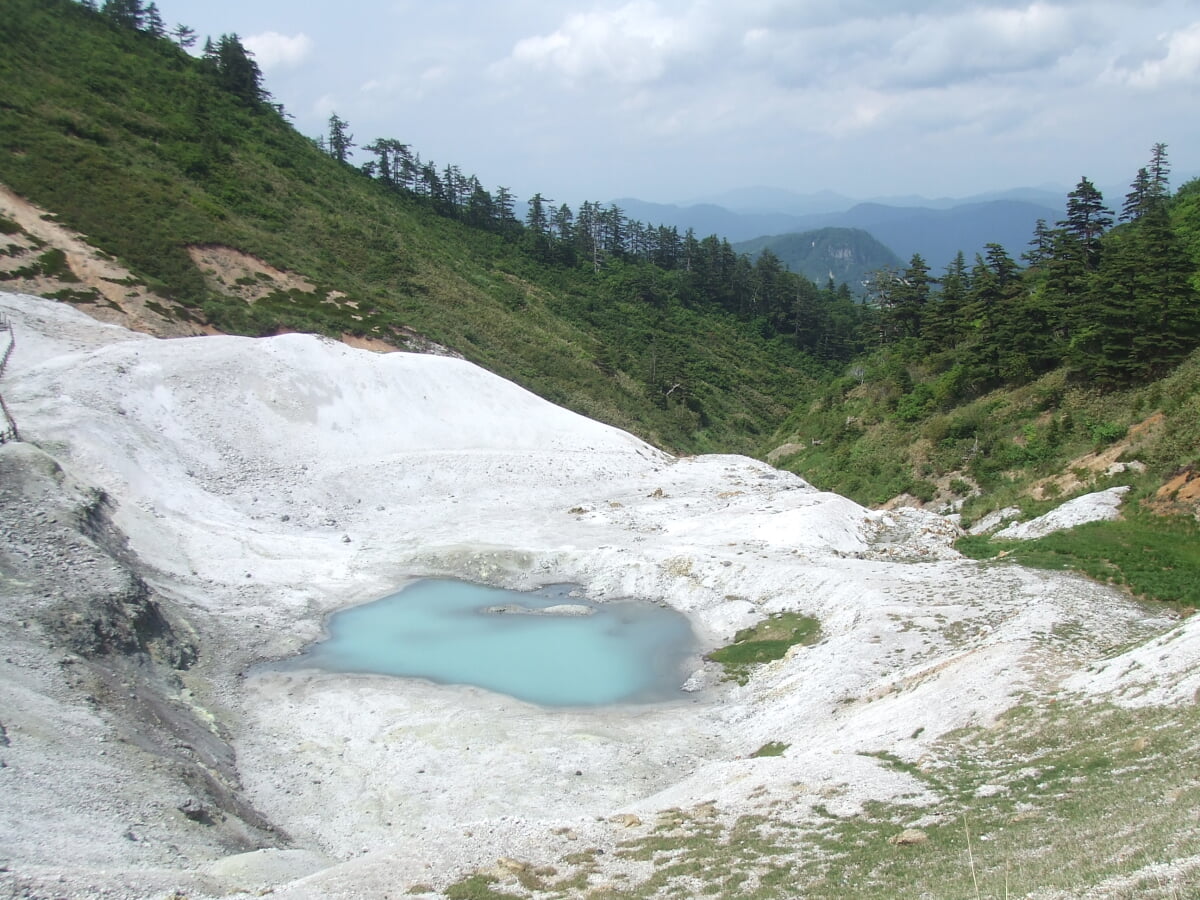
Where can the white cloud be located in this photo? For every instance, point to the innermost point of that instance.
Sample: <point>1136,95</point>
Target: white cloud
<point>979,42</point>
<point>273,50</point>
<point>324,106</point>
<point>631,44</point>
<point>796,87</point>
<point>1180,64</point>
<point>895,50</point>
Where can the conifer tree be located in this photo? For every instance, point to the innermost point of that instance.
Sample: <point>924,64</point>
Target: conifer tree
<point>563,223</point>
<point>910,297</point>
<point>386,151</point>
<point>537,228</point>
<point>989,314</point>
<point>1138,196</point>
<point>237,71</point>
<point>1041,245</point>
<point>942,328</point>
<point>153,23</point>
<point>1160,169</point>
<point>506,220</point>
<point>481,208</point>
<point>1156,296</point>
<point>340,139</point>
<point>126,13</point>
<point>185,36</point>
<point>1087,220</point>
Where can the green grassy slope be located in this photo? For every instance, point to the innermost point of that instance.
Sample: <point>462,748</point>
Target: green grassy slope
<point>126,139</point>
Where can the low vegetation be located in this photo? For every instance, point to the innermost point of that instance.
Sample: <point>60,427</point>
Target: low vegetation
<point>1155,557</point>
<point>1056,800</point>
<point>770,639</point>
<point>771,748</point>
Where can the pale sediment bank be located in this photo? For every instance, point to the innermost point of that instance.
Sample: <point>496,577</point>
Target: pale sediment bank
<point>251,487</point>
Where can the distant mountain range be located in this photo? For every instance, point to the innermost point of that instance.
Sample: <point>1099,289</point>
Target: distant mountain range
<point>777,200</point>
<point>937,230</point>
<point>846,255</point>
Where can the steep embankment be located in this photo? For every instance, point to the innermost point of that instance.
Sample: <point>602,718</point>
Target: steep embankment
<point>201,504</point>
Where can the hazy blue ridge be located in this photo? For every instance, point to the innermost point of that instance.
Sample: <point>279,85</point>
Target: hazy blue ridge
<point>937,234</point>
<point>844,254</point>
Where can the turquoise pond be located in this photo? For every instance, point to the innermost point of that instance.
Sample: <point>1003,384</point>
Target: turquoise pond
<point>544,646</point>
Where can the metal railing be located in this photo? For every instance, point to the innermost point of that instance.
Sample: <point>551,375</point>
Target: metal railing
<point>8,425</point>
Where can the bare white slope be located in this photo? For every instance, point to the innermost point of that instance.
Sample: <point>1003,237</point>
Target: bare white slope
<point>264,483</point>
<point>1101,506</point>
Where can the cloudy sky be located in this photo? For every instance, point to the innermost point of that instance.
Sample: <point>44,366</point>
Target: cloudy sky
<point>672,100</point>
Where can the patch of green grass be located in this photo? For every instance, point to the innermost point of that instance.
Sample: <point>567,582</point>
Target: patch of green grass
<point>1006,440</point>
<point>478,887</point>
<point>770,639</point>
<point>1156,557</point>
<point>771,748</point>
<point>68,295</point>
<point>52,264</point>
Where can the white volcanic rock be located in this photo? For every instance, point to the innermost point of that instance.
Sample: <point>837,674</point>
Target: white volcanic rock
<point>1164,671</point>
<point>1100,506</point>
<point>994,520</point>
<point>234,468</point>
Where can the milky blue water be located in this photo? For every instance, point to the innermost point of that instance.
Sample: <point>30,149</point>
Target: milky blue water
<point>626,652</point>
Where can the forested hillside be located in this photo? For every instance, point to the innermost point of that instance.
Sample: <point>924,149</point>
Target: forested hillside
<point>992,376</point>
<point>152,153</point>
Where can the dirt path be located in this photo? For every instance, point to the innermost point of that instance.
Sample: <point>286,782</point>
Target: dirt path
<point>125,302</point>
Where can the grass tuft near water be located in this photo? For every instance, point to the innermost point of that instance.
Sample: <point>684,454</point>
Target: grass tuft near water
<point>769,640</point>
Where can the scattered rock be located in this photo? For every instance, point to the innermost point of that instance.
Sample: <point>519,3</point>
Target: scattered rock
<point>195,810</point>
<point>560,609</point>
<point>515,866</point>
<point>994,520</point>
<point>1098,507</point>
<point>1120,468</point>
